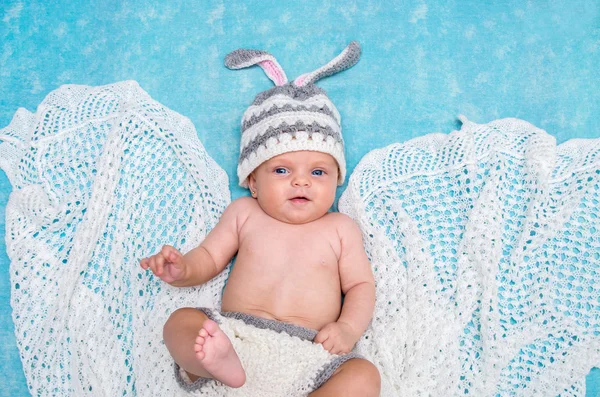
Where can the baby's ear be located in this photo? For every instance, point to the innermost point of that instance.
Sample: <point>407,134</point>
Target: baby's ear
<point>252,184</point>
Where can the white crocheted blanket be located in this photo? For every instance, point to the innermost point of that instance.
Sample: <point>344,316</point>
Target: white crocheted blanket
<point>485,245</point>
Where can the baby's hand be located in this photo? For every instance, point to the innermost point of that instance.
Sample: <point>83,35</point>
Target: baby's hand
<point>168,264</point>
<point>337,338</point>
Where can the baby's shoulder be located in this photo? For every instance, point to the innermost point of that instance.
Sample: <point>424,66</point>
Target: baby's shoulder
<point>244,203</point>
<point>239,209</point>
<point>238,212</point>
<point>342,222</point>
<point>339,218</point>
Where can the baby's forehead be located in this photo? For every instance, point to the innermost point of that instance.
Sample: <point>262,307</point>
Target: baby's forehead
<point>304,156</point>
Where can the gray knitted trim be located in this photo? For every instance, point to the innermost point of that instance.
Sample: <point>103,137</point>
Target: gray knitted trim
<point>291,90</point>
<point>234,59</point>
<point>210,313</point>
<point>190,387</point>
<point>289,129</point>
<point>328,369</point>
<point>274,325</point>
<point>289,108</point>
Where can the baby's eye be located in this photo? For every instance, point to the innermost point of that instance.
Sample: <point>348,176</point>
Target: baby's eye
<point>318,172</point>
<point>280,170</point>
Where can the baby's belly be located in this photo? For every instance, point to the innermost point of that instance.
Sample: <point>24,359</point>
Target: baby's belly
<point>310,305</point>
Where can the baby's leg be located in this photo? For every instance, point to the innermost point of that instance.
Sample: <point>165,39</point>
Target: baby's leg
<point>200,347</point>
<point>356,377</point>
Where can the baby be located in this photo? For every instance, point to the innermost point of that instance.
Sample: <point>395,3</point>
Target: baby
<point>283,299</point>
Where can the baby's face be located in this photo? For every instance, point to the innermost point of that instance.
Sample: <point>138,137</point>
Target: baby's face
<point>296,187</point>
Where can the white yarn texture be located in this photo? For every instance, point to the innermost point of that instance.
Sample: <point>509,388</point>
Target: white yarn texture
<point>276,364</point>
<point>485,246</point>
<point>484,243</point>
<point>103,176</point>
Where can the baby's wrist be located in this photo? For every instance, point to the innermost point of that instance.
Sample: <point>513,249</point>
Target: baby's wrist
<point>187,273</point>
<point>351,329</point>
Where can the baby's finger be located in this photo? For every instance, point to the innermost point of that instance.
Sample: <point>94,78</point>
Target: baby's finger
<point>152,263</point>
<point>170,253</point>
<point>144,264</point>
<point>160,264</point>
<point>327,345</point>
<point>321,337</point>
<point>335,349</point>
<point>166,250</point>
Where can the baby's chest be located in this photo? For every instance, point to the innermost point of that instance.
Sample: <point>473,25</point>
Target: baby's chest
<point>313,249</point>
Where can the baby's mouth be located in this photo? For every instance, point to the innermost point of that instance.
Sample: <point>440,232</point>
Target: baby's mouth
<point>300,199</point>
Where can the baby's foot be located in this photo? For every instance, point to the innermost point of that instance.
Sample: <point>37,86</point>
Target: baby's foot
<point>215,352</point>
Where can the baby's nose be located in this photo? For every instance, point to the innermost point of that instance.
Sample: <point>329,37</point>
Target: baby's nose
<point>301,180</point>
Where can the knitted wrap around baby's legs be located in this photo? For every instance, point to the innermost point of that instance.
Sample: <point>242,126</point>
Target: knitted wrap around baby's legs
<point>102,177</point>
<point>485,245</point>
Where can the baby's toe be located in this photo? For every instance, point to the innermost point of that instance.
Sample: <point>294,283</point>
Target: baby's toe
<point>210,326</point>
<point>203,332</point>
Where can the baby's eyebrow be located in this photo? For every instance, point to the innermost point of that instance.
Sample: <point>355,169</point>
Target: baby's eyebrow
<point>323,164</point>
<point>290,163</point>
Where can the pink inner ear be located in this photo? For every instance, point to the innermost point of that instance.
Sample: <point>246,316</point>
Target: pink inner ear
<point>299,80</point>
<point>273,72</point>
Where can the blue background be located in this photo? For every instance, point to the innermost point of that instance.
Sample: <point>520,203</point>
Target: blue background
<point>423,62</point>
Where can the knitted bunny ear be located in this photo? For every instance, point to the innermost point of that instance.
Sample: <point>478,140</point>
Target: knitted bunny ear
<point>241,58</point>
<point>348,58</point>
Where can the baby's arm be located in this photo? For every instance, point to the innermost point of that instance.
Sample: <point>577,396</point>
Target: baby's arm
<point>358,286</point>
<point>208,259</point>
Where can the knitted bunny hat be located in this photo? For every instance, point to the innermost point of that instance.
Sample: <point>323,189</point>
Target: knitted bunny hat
<point>291,116</point>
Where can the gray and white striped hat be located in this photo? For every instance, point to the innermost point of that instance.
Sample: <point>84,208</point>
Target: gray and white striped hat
<point>291,116</point>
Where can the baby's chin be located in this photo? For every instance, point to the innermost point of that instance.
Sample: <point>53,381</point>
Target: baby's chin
<point>294,218</point>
